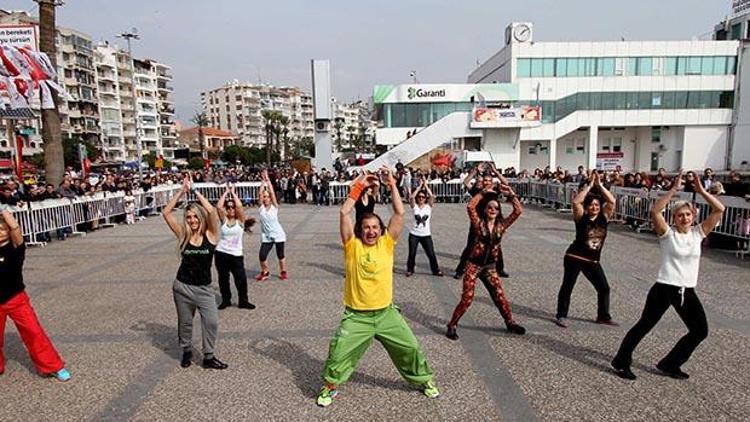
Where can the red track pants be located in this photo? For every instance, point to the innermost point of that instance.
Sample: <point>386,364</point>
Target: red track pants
<point>40,348</point>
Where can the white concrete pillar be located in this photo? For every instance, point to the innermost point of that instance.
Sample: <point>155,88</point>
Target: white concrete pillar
<point>593,146</point>
<point>552,154</point>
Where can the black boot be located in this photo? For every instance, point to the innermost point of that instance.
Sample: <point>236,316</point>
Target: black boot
<point>451,333</point>
<point>515,328</point>
<point>214,363</point>
<point>187,359</point>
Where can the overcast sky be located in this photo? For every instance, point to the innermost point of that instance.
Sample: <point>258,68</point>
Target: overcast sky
<point>369,42</point>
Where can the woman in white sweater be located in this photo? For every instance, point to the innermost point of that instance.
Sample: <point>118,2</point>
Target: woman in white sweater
<point>675,284</point>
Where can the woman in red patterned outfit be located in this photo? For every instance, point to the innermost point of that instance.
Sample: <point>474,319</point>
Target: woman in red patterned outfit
<point>489,229</point>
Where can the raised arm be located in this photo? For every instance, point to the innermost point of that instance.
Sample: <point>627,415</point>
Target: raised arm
<point>515,203</point>
<point>717,208</point>
<point>396,222</point>
<point>14,229</point>
<point>238,209</point>
<point>469,177</point>
<point>430,195</point>
<point>167,212</point>
<point>362,182</point>
<point>471,209</point>
<point>657,218</point>
<point>213,223</point>
<point>413,194</point>
<point>220,205</point>
<point>271,190</point>
<point>577,202</point>
<point>609,199</point>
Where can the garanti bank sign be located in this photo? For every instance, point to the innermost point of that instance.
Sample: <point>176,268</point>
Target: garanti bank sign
<point>439,93</point>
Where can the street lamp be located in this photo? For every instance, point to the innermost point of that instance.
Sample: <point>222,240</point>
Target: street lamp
<point>413,75</point>
<point>133,35</point>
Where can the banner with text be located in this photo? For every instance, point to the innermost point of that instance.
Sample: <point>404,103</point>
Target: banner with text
<point>609,160</point>
<point>524,116</point>
<point>18,36</point>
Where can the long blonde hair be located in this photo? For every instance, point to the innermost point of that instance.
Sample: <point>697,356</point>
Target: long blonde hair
<point>184,238</point>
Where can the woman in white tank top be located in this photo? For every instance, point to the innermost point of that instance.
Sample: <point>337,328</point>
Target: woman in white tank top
<point>272,234</point>
<point>422,199</point>
<point>229,257</point>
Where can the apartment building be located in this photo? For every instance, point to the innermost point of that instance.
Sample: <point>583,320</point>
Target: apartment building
<point>237,108</point>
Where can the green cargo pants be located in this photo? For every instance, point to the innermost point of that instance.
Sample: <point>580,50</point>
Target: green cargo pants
<point>355,334</point>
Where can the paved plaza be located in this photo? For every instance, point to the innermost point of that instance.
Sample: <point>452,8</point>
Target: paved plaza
<point>106,301</point>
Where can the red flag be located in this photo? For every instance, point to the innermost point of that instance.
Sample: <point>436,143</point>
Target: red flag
<point>19,157</point>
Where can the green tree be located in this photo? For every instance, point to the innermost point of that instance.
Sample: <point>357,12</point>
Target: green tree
<point>337,126</point>
<point>273,128</point>
<point>201,120</point>
<point>303,147</point>
<point>195,163</point>
<point>70,151</point>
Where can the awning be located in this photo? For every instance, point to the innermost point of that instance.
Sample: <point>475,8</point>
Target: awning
<point>17,113</point>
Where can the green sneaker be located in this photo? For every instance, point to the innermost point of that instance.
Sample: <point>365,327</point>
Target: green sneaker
<point>430,390</point>
<point>325,398</point>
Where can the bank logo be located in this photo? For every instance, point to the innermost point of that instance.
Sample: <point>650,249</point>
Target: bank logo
<point>412,93</point>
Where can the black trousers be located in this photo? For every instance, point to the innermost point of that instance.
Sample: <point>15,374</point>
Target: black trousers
<point>226,264</point>
<point>659,299</point>
<point>265,249</point>
<point>499,264</point>
<point>594,273</point>
<point>429,249</point>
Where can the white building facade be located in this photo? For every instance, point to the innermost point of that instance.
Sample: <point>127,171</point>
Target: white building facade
<point>639,105</point>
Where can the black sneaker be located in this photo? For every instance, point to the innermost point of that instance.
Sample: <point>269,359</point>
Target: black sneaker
<point>224,305</point>
<point>187,359</point>
<point>246,305</point>
<point>214,363</point>
<point>503,274</point>
<point>451,333</point>
<point>675,373</point>
<point>516,329</point>
<point>623,372</point>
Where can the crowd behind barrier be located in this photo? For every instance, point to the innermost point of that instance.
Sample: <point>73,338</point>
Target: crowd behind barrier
<point>116,195</point>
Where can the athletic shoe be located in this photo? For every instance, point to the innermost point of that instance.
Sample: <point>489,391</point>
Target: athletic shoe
<point>246,305</point>
<point>408,273</point>
<point>451,333</point>
<point>224,305</point>
<point>430,390</point>
<point>503,274</point>
<point>62,375</point>
<point>325,398</point>
<point>187,359</point>
<point>262,276</point>
<point>623,372</point>
<point>675,373</point>
<point>561,322</point>
<point>214,363</point>
<point>438,274</point>
<point>609,322</point>
<point>283,275</point>
<point>516,329</point>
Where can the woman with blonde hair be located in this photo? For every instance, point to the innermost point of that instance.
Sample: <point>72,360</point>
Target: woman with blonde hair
<point>272,234</point>
<point>197,236</point>
<point>675,283</point>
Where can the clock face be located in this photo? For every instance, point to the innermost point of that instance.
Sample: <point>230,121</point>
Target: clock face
<point>522,33</point>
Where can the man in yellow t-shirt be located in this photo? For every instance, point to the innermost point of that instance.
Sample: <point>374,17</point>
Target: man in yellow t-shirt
<point>368,297</point>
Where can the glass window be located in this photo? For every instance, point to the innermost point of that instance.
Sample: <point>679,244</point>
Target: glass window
<point>731,64</point>
<point>693,99</point>
<point>548,66</point>
<point>710,99</point>
<point>536,68</point>
<point>572,67</point>
<point>667,99</point>
<point>595,101</point>
<point>582,101</point>
<point>617,144</point>
<point>561,67</point>
<point>398,115</point>
<point>681,65</point>
<point>548,111</point>
<point>590,66</point>
<point>621,100</point>
<point>608,101</point>
<point>645,66</point>
<point>655,134</point>
<point>632,66</point>
<point>720,65</point>
<point>632,103</point>
<point>736,31</point>
<point>656,100</point>
<point>693,66</point>
<point>680,99</point>
<point>726,99</point>
<point>606,66</point>
<point>523,68</point>
<point>707,65</point>
<point>644,100</point>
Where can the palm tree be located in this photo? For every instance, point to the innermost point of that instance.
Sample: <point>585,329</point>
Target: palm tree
<point>201,120</point>
<point>337,126</point>
<point>282,134</point>
<point>54,163</point>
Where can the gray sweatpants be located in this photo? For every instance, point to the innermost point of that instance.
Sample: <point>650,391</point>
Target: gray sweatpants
<point>187,298</point>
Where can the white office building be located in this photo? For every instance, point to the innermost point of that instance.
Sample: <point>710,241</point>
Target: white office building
<point>640,105</point>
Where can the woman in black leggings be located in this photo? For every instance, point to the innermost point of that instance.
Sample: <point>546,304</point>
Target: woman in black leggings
<point>422,200</point>
<point>584,253</point>
<point>229,256</point>
<point>675,283</point>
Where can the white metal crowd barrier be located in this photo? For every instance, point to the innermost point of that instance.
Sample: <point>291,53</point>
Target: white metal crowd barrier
<point>248,192</point>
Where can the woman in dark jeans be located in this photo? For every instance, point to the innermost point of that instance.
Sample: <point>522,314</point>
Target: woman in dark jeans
<point>584,253</point>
